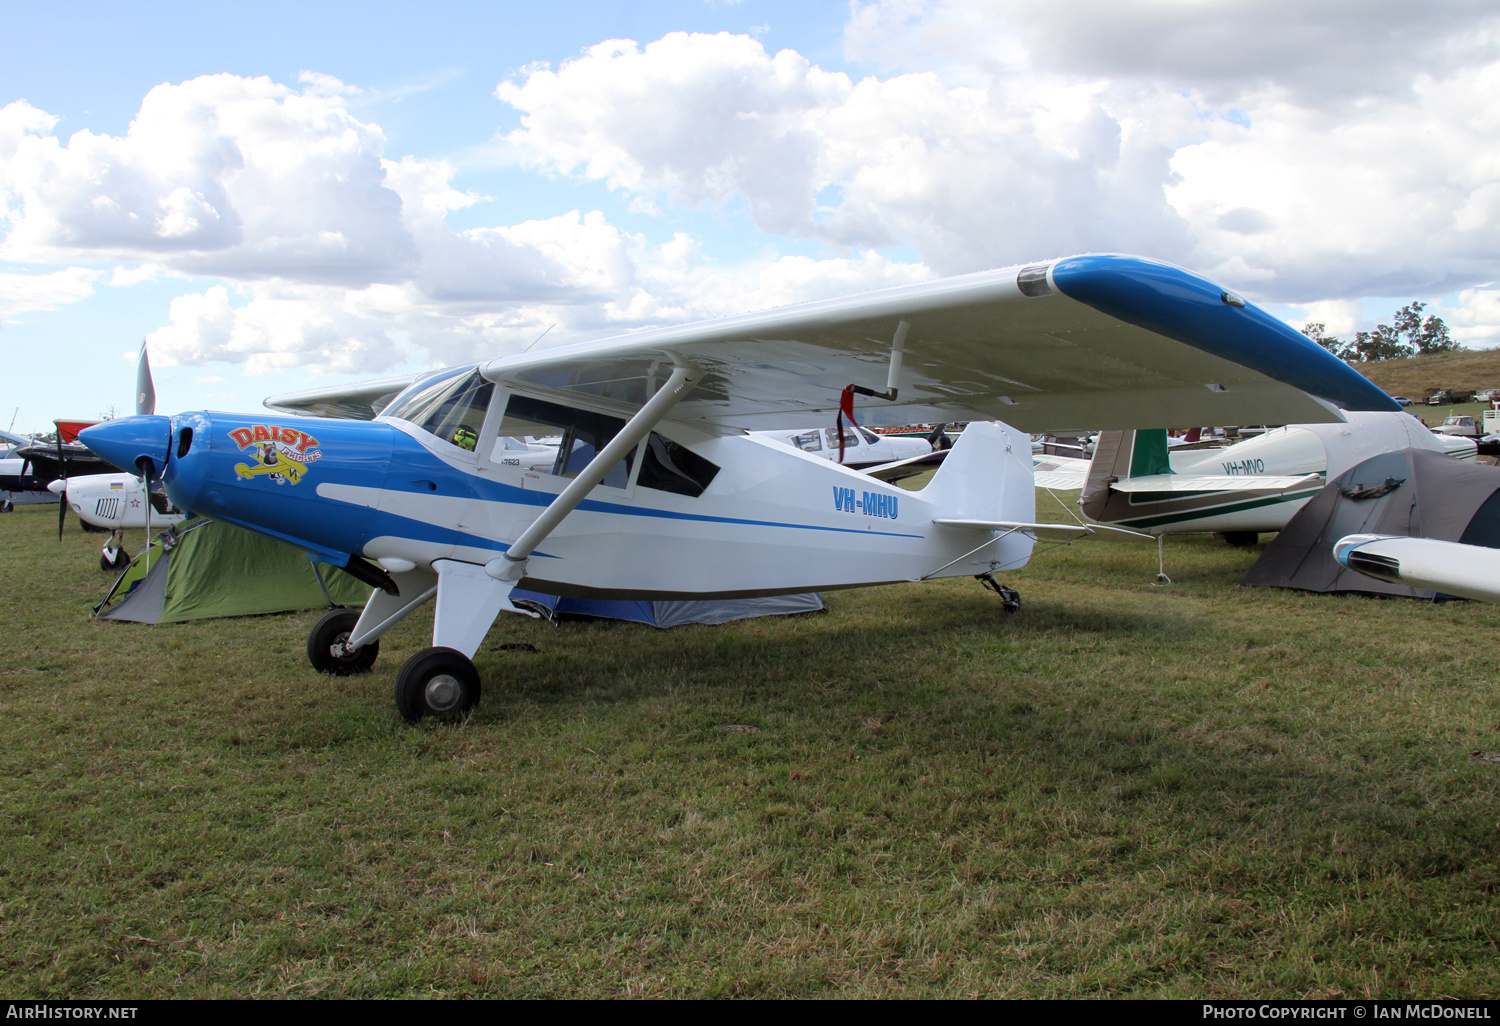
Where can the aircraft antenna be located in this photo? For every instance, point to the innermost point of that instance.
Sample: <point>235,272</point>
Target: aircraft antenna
<point>539,338</point>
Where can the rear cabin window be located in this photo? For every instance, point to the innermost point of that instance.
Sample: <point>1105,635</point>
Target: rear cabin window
<point>809,442</point>
<point>667,466</point>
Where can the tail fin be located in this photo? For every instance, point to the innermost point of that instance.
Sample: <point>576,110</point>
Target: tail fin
<point>1119,455</point>
<point>987,476</point>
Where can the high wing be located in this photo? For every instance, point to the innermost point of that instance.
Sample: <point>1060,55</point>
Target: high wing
<point>362,401</point>
<point>1101,341</point>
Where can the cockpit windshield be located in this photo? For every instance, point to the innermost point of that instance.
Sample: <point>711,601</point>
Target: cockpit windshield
<point>452,406</point>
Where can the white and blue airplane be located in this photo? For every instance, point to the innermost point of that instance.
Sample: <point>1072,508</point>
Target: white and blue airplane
<point>662,490</point>
<point>1450,568</point>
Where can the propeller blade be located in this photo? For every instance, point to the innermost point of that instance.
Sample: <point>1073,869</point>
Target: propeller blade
<point>937,433</point>
<point>145,391</point>
<point>145,466</point>
<point>62,499</point>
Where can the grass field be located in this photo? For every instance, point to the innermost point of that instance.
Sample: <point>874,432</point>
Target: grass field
<point>1188,790</point>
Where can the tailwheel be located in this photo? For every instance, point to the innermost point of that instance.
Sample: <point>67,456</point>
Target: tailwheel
<point>1010,598</point>
<point>437,682</point>
<point>327,645</point>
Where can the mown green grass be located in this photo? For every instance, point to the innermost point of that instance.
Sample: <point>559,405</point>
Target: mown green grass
<point>1187,790</point>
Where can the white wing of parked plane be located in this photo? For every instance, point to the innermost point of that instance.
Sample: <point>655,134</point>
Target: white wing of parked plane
<point>1062,473</point>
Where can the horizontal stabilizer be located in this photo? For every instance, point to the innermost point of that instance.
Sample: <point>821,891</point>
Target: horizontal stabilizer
<point>1065,473</point>
<point>901,469</point>
<point>1041,532</point>
<point>1215,483</point>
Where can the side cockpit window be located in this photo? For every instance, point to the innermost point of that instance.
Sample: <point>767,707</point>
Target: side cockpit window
<point>666,466</point>
<point>670,467</point>
<point>452,408</point>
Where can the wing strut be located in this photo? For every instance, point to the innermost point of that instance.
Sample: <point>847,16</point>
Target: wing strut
<point>511,566</point>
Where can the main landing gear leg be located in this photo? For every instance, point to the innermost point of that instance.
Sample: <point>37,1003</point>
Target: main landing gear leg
<point>1010,598</point>
<point>347,641</point>
<point>441,681</point>
<point>1161,568</point>
<point>113,557</point>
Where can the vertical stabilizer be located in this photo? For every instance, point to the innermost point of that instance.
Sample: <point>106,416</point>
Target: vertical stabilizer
<point>987,476</point>
<point>1119,455</point>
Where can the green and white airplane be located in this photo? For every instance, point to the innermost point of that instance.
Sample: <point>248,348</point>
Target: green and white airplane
<point>1244,489</point>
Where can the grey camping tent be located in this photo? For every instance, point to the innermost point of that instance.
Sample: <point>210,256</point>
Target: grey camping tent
<point>1411,493</point>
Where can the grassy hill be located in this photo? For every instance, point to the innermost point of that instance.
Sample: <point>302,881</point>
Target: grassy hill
<point>1471,370</point>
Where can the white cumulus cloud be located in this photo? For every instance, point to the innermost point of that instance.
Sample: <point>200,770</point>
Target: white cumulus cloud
<point>20,293</point>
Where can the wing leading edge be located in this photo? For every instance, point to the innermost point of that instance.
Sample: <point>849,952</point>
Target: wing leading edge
<point>1095,340</point>
<point>1100,341</point>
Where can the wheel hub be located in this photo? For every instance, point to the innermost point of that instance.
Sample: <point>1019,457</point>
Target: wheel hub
<point>443,693</point>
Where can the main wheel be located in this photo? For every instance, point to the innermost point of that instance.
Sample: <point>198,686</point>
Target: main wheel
<point>326,645</point>
<point>1241,539</point>
<point>437,682</point>
<point>119,561</point>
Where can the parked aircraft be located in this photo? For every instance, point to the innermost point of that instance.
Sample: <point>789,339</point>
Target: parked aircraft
<point>17,484</point>
<point>111,501</point>
<point>660,489</point>
<point>862,448</point>
<point>115,503</point>
<point>1243,489</point>
<point>1452,568</point>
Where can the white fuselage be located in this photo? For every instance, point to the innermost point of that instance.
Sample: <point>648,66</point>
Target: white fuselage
<point>111,501</point>
<point>862,448</point>
<point>774,520</point>
<point>1452,568</point>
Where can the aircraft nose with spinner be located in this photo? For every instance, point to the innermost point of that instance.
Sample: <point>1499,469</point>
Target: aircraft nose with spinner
<point>127,441</point>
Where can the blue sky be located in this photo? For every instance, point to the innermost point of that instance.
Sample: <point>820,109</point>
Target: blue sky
<point>738,155</point>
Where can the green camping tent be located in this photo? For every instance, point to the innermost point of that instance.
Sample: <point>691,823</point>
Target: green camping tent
<point>202,568</point>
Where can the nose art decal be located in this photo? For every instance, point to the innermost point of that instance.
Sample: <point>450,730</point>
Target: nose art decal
<point>283,453</point>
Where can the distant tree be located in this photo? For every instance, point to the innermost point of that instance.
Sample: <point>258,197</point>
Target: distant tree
<point>1384,343</point>
<point>1410,335</point>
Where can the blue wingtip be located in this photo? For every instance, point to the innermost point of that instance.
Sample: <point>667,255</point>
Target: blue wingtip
<point>1193,310</point>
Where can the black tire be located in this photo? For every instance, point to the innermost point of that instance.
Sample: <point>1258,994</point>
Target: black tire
<point>437,682</point>
<point>1241,539</point>
<point>6,506</point>
<point>332,629</point>
<point>120,562</point>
